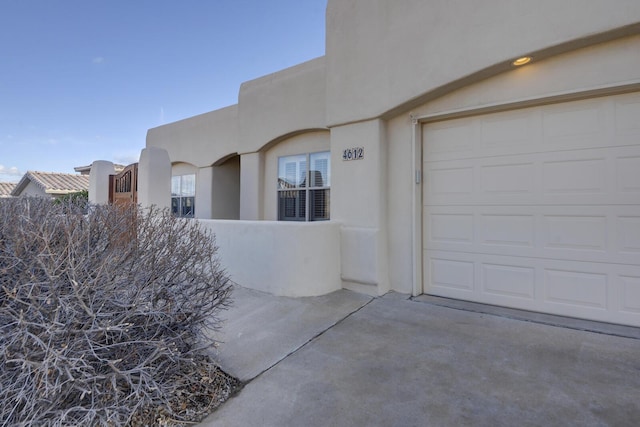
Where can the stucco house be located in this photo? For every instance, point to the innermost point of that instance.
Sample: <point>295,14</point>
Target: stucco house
<point>49,184</point>
<point>419,155</point>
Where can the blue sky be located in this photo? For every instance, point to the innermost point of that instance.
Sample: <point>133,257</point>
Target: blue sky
<point>83,80</point>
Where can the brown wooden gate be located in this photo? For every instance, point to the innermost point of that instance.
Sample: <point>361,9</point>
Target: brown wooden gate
<point>123,187</point>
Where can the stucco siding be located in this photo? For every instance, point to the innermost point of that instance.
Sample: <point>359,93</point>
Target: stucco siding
<point>32,190</point>
<point>359,202</point>
<point>283,103</point>
<point>226,189</point>
<point>288,259</point>
<point>382,54</point>
<point>200,140</point>
<point>182,168</point>
<point>602,67</point>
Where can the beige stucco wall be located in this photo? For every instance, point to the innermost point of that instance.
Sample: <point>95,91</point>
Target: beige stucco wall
<point>154,178</point>
<point>225,180</point>
<point>200,140</point>
<point>33,190</point>
<point>358,201</point>
<point>183,168</point>
<point>99,176</point>
<point>382,54</point>
<point>282,258</point>
<point>599,67</point>
<point>282,103</point>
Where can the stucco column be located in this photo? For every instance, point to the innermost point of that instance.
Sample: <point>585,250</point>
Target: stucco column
<point>204,197</point>
<point>251,197</point>
<point>154,178</point>
<point>99,181</point>
<point>358,201</point>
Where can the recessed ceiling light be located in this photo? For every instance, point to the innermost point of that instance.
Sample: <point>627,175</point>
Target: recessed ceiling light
<point>521,61</point>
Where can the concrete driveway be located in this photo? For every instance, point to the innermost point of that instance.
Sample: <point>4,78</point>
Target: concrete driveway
<point>346,359</point>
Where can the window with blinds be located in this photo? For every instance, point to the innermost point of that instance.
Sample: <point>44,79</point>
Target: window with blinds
<point>304,182</point>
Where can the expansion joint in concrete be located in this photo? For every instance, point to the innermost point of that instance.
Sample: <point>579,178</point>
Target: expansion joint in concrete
<point>313,338</point>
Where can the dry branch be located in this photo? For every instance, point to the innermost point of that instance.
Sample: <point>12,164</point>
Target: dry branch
<point>102,315</point>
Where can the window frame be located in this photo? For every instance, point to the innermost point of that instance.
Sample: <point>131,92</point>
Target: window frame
<point>184,193</point>
<point>308,190</point>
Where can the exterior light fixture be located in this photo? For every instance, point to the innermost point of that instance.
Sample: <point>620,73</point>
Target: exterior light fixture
<point>521,61</point>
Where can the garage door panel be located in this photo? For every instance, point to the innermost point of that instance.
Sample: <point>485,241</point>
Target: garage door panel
<point>570,288</point>
<point>609,234</point>
<point>470,137</point>
<point>514,281</point>
<point>511,231</point>
<point>576,288</point>
<point>452,273</point>
<point>506,179</point>
<point>576,124</point>
<point>585,177</point>
<point>591,235</point>
<point>592,290</point>
<point>578,232</point>
<point>629,294</point>
<point>456,228</point>
<point>453,181</point>
<point>601,122</point>
<point>452,139</point>
<point>627,111</point>
<point>628,236</point>
<point>575,176</point>
<point>537,208</point>
<point>511,132</point>
<point>628,174</point>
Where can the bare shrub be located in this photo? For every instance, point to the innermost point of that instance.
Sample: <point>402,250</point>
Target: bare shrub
<point>102,315</point>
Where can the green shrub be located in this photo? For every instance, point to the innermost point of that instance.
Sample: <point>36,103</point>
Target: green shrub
<point>102,316</point>
<point>78,198</point>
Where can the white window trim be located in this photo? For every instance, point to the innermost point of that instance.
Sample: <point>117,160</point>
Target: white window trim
<point>307,189</point>
<point>182,195</point>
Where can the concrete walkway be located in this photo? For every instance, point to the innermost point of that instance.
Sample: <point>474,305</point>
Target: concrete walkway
<point>349,360</point>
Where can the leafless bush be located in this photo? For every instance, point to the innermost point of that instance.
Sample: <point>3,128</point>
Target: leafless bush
<point>102,315</point>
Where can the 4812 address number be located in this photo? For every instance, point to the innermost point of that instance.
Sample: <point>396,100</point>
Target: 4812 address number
<point>356,153</point>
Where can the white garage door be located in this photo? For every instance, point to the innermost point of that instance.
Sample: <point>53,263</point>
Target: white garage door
<point>537,208</point>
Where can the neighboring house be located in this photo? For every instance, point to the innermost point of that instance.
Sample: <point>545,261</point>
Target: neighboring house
<point>85,170</point>
<point>6,188</point>
<point>49,184</point>
<point>446,167</point>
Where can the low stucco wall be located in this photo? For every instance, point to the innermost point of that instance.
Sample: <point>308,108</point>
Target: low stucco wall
<point>281,258</point>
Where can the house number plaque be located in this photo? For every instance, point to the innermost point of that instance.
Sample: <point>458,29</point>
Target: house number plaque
<point>356,153</point>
